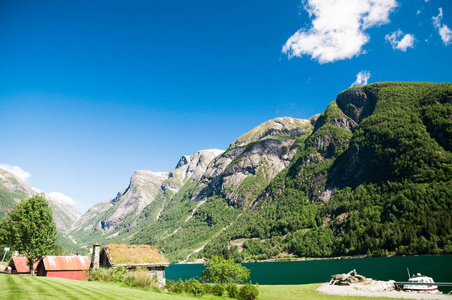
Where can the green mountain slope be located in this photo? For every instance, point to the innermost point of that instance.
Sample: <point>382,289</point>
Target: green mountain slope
<point>203,210</point>
<point>139,204</point>
<point>372,177</point>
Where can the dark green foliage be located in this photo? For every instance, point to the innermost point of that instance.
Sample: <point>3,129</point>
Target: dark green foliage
<point>175,286</point>
<point>117,274</point>
<point>392,175</point>
<point>217,290</point>
<point>193,286</point>
<point>220,270</point>
<point>207,287</point>
<point>248,292</point>
<point>317,242</point>
<point>232,290</point>
<point>402,218</point>
<point>182,226</point>
<point>373,177</point>
<point>29,229</point>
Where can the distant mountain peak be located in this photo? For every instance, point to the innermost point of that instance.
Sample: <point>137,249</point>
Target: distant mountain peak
<point>282,125</point>
<point>14,187</point>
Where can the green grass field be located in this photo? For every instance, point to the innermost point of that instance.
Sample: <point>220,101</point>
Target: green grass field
<point>26,287</point>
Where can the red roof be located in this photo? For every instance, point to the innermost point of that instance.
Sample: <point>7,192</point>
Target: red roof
<point>21,264</point>
<point>66,263</point>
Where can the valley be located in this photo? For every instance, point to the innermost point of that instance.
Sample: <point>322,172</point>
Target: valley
<point>371,175</point>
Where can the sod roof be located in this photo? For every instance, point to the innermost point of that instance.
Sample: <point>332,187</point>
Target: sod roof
<point>127,254</point>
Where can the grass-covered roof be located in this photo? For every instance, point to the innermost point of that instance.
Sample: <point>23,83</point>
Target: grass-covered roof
<point>127,254</point>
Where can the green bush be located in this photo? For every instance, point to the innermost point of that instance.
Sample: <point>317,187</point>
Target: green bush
<point>218,290</point>
<point>207,287</point>
<point>169,286</point>
<point>103,274</point>
<point>248,292</point>
<point>175,286</point>
<point>233,291</point>
<point>220,270</point>
<point>192,286</point>
<point>117,274</point>
<point>98,274</point>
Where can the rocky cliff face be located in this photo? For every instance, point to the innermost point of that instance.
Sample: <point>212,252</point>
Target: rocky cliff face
<point>252,161</point>
<point>357,103</point>
<point>106,216</point>
<point>190,168</point>
<point>118,215</point>
<point>13,189</point>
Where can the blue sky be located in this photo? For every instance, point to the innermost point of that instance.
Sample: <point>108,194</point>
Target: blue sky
<point>91,91</point>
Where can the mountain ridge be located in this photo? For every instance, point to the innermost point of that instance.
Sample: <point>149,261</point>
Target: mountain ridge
<point>369,175</point>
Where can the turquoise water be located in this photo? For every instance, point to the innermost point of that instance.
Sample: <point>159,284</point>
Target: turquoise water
<point>313,271</point>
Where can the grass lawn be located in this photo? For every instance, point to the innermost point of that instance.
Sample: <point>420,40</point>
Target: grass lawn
<point>26,287</point>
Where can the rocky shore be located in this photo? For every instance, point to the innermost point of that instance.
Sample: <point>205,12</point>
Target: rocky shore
<point>375,288</point>
<point>353,284</point>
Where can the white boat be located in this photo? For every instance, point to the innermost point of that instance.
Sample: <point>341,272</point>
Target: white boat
<point>418,287</point>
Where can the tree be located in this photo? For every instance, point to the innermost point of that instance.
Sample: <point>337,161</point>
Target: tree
<point>30,229</point>
<point>220,270</point>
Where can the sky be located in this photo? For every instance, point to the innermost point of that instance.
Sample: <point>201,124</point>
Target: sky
<point>91,91</point>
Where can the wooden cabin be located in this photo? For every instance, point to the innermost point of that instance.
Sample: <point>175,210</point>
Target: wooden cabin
<point>19,265</point>
<point>70,267</point>
<point>131,257</point>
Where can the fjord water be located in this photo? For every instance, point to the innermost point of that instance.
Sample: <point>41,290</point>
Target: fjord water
<point>313,271</point>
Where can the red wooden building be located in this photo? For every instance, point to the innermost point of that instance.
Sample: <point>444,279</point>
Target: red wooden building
<point>19,265</point>
<point>71,267</point>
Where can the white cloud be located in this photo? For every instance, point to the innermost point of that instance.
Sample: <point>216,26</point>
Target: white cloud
<point>62,197</point>
<point>361,78</point>
<point>17,171</point>
<point>400,41</point>
<point>338,28</point>
<point>443,30</point>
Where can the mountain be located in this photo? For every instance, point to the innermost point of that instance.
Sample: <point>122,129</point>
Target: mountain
<point>370,175</point>
<point>13,189</point>
<point>252,161</point>
<point>128,203</point>
<point>117,218</point>
<point>202,210</point>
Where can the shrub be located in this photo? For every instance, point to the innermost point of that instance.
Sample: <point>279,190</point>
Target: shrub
<point>218,290</point>
<point>233,291</point>
<point>141,278</point>
<point>220,270</point>
<point>169,286</point>
<point>103,274</point>
<point>98,274</point>
<point>175,286</point>
<point>117,274</point>
<point>207,287</point>
<point>192,286</point>
<point>248,292</point>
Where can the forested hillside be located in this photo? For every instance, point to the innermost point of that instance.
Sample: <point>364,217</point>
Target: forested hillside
<point>373,177</point>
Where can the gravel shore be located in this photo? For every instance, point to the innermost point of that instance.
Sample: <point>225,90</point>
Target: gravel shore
<point>376,288</point>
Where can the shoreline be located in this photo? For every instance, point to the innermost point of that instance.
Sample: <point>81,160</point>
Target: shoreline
<point>376,289</point>
<point>201,261</point>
